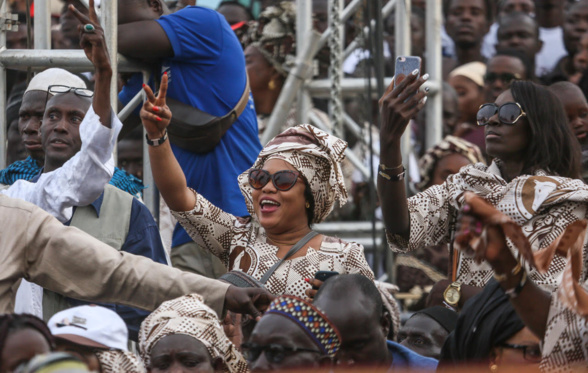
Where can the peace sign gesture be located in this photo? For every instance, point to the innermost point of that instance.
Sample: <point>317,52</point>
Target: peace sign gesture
<point>92,37</point>
<point>155,114</point>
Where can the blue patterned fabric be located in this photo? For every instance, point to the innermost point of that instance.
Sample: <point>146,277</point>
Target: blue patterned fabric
<point>19,170</point>
<point>28,169</point>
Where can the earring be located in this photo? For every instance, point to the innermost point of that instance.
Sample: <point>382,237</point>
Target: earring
<point>493,368</point>
<point>271,85</point>
<point>307,205</point>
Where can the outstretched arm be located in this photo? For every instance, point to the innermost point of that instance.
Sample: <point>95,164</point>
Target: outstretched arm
<point>167,173</point>
<point>94,46</point>
<point>396,110</point>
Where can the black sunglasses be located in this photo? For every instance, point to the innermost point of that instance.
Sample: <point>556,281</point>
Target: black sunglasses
<point>531,353</point>
<point>508,113</point>
<point>274,353</point>
<point>506,78</point>
<point>283,180</point>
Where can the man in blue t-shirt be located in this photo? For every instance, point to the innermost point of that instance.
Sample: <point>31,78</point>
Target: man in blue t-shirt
<point>354,305</point>
<point>206,69</point>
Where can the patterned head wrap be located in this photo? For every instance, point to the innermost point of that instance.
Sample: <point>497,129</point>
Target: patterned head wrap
<point>449,145</point>
<point>317,156</point>
<point>314,322</point>
<point>274,34</point>
<point>189,315</point>
<point>119,361</point>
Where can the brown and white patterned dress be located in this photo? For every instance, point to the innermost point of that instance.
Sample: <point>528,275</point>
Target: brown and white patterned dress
<point>241,244</point>
<point>565,345</point>
<point>543,205</point>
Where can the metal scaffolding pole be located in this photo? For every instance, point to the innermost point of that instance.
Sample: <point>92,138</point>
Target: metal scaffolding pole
<point>336,40</point>
<point>3,88</point>
<point>109,23</point>
<point>403,48</point>
<point>69,59</point>
<point>42,25</point>
<point>349,86</point>
<point>434,131</point>
<point>303,28</point>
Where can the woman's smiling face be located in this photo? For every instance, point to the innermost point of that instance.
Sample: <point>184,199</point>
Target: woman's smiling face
<point>280,211</point>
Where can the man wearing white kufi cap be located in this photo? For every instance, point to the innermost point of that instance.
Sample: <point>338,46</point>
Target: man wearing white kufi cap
<point>30,116</point>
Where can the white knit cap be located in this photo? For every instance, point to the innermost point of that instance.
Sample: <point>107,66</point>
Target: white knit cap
<point>54,76</point>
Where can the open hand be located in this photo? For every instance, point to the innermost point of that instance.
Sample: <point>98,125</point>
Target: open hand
<point>155,114</point>
<point>397,106</point>
<point>92,41</point>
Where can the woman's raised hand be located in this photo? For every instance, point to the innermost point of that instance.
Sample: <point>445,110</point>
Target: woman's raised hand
<point>482,231</point>
<point>155,114</point>
<point>398,105</point>
<point>92,37</point>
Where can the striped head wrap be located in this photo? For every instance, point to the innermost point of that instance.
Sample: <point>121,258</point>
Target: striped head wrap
<point>314,322</point>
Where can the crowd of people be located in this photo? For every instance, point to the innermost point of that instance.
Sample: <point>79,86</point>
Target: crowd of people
<point>229,274</point>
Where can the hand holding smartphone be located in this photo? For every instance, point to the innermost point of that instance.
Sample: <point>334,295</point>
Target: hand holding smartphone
<point>323,276</point>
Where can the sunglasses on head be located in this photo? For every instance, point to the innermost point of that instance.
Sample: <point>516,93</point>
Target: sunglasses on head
<point>283,180</point>
<point>506,78</point>
<point>274,353</point>
<point>508,113</point>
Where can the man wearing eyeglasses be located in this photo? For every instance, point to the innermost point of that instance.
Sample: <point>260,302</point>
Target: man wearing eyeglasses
<point>504,68</point>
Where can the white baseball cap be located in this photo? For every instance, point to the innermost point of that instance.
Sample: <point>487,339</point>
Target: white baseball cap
<point>92,326</point>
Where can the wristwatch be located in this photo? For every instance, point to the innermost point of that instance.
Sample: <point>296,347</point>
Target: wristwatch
<point>452,294</point>
<point>156,142</point>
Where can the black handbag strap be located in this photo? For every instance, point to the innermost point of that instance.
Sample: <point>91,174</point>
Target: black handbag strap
<point>299,245</point>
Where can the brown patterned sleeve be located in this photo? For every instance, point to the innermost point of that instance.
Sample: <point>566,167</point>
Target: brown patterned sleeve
<point>565,346</point>
<point>355,260</point>
<point>211,227</point>
<point>429,220</point>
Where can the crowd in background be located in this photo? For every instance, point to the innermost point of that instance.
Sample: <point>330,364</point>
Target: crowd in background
<point>229,274</point>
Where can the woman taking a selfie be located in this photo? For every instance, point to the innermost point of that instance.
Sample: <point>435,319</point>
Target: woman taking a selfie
<point>294,183</point>
<point>533,178</point>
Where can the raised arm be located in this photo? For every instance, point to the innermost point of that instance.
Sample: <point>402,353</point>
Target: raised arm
<point>396,110</point>
<point>94,45</point>
<point>167,173</point>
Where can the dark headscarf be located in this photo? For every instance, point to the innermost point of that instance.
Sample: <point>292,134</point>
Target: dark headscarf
<point>487,320</point>
<point>443,316</point>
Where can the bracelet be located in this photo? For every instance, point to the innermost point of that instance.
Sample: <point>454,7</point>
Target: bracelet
<point>398,177</point>
<point>500,277</point>
<point>514,292</point>
<point>384,168</point>
<point>156,142</point>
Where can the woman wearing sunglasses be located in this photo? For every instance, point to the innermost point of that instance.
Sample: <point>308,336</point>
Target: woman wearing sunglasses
<point>295,182</point>
<point>532,179</point>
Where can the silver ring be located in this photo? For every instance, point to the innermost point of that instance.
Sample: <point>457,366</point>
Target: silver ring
<point>89,28</point>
